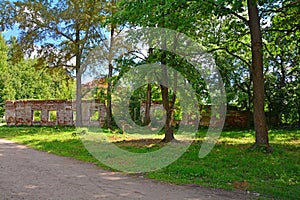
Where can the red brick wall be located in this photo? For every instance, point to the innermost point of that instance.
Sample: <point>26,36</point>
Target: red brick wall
<point>21,112</point>
<point>234,118</point>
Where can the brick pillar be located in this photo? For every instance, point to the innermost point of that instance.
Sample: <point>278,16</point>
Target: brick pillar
<point>85,114</point>
<point>61,117</point>
<point>69,115</point>
<point>27,117</point>
<point>45,117</point>
<point>10,110</point>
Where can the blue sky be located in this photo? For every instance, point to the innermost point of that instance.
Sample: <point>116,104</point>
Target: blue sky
<point>8,33</point>
<point>14,32</point>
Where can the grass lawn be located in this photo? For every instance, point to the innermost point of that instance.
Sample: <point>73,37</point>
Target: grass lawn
<point>229,165</point>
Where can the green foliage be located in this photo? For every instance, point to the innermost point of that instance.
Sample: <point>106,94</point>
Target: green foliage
<point>54,28</point>
<point>27,82</point>
<point>3,75</point>
<point>228,166</point>
<point>37,115</point>
<point>282,61</point>
<point>23,78</point>
<point>220,26</point>
<point>95,115</point>
<point>59,32</point>
<point>53,115</point>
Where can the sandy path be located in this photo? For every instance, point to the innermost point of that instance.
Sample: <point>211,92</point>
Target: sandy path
<point>29,174</point>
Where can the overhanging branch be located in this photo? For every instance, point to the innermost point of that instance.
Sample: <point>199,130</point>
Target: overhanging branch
<point>232,54</point>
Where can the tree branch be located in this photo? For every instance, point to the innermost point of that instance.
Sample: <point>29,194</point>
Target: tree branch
<point>270,53</point>
<point>55,29</point>
<point>232,54</point>
<point>282,30</point>
<point>232,13</point>
<point>282,8</point>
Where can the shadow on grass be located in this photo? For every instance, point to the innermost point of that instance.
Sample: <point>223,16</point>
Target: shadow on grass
<point>7,131</point>
<point>229,165</point>
<point>141,143</point>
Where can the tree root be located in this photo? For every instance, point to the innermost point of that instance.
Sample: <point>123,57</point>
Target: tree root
<point>164,141</point>
<point>265,148</point>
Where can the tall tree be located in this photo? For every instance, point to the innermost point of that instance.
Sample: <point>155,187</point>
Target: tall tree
<point>21,78</point>
<point>112,10</point>
<point>162,14</point>
<point>230,35</point>
<point>60,32</point>
<point>148,101</point>
<point>15,53</point>
<point>282,58</point>
<point>260,123</point>
<point>258,18</point>
<point>222,26</point>
<point>3,68</point>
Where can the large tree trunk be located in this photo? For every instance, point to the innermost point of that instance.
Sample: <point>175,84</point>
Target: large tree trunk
<point>78,98</point>
<point>299,116</point>
<point>260,123</point>
<point>109,87</point>
<point>175,83</point>
<point>169,135</point>
<point>147,119</point>
<point>110,71</point>
<point>78,82</point>
<point>174,98</point>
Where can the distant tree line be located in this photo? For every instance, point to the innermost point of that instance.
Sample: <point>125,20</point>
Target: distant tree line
<point>25,78</point>
<point>255,45</point>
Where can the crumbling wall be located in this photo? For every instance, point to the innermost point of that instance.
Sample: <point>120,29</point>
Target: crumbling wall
<point>24,112</point>
<point>234,118</point>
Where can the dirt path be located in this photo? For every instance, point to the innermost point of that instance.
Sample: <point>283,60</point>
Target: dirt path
<point>29,174</point>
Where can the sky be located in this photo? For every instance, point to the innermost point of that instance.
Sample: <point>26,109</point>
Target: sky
<point>9,33</point>
<point>14,32</point>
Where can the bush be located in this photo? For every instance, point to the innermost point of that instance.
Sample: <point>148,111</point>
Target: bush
<point>2,120</point>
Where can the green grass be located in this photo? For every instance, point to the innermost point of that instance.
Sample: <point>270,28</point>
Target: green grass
<point>229,165</point>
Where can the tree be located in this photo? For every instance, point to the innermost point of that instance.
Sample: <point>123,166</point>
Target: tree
<point>162,14</point>
<point>260,123</point>
<point>231,21</point>
<point>3,75</point>
<point>105,55</point>
<point>148,100</point>
<point>282,62</point>
<point>112,10</point>
<point>22,78</point>
<point>58,31</point>
<point>259,12</point>
<point>29,82</point>
<point>15,53</point>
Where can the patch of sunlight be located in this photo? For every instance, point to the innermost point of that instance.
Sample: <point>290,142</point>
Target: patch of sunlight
<point>285,139</point>
<point>236,141</point>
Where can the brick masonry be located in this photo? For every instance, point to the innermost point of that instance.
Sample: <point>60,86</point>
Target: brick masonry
<point>22,112</point>
<point>234,118</point>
